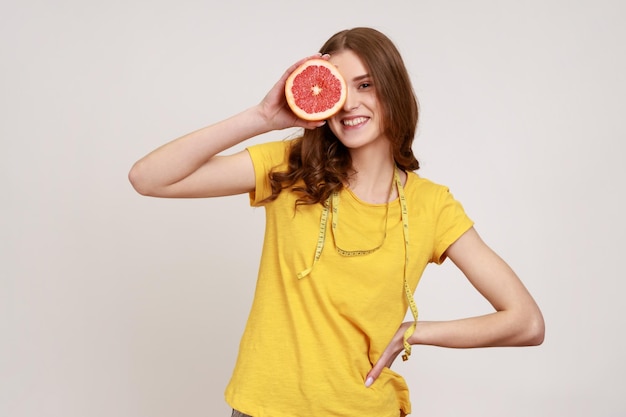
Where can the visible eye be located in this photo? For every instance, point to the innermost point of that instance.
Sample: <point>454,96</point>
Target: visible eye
<point>365,85</point>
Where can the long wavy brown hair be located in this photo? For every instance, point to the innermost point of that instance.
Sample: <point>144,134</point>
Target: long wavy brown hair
<point>318,162</point>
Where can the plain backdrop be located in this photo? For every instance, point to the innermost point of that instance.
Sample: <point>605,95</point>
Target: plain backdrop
<point>118,305</point>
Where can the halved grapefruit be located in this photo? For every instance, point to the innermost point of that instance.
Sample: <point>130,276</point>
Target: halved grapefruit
<point>315,90</point>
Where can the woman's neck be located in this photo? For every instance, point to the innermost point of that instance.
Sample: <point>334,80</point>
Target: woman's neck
<point>372,180</point>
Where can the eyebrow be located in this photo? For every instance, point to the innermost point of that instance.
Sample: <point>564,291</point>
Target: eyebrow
<point>361,77</point>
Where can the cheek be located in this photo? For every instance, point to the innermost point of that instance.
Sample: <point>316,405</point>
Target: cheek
<point>334,125</point>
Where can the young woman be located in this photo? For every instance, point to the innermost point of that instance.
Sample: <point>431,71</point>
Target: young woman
<point>350,228</point>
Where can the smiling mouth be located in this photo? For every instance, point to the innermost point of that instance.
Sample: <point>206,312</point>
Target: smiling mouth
<point>354,122</point>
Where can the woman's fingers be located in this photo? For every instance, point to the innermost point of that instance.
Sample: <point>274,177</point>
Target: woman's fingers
<point>389,355</point>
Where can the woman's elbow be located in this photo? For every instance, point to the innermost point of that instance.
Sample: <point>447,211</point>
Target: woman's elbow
<point>535,329</point>
<point>138,180</point>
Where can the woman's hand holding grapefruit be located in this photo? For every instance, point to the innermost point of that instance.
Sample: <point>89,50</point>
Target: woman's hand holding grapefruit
<point>274,108</point>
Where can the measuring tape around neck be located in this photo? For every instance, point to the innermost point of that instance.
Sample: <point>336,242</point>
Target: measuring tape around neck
<point>405,231</point>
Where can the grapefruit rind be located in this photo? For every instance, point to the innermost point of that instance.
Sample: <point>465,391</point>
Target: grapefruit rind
<point>315,90</point>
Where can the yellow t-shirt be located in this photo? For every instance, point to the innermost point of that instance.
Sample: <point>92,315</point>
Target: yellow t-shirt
<point>309,343</point>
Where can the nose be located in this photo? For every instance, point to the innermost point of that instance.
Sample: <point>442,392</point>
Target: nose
<point>351,102</point>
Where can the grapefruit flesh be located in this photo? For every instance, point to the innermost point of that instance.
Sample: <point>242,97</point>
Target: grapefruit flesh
<point>315,90</point>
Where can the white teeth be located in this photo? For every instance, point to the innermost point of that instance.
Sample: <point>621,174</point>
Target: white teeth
<point>355,121</point>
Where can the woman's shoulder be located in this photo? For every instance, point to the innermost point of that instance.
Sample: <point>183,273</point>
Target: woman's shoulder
<point>423,192</point>
<point>418,184</point>
<point>270,154</point>
<point>273,147</point>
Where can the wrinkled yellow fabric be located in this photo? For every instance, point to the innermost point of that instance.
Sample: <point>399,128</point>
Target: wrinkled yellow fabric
<point>309,343</point>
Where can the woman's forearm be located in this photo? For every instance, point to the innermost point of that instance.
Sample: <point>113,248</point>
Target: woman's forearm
<point>503,328</point>
<point>181,157</point>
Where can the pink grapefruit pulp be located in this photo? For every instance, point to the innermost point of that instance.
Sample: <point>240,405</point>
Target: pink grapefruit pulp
<point>315,90</point>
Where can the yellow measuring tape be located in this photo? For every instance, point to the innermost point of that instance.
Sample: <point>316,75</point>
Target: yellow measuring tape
<point>405,231</point>
<point>321,237</point>
<point>407,289</point>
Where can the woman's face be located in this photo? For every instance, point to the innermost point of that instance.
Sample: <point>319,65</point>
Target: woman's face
<point>359,123</point>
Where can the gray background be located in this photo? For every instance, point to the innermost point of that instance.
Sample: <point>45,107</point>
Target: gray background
<point>113,304</point>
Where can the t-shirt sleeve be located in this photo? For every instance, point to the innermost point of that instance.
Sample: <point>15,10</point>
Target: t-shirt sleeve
<point>452,222</point>
<point>265,157</point>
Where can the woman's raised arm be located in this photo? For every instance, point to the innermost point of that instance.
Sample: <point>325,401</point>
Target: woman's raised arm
<point>190,167</point>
